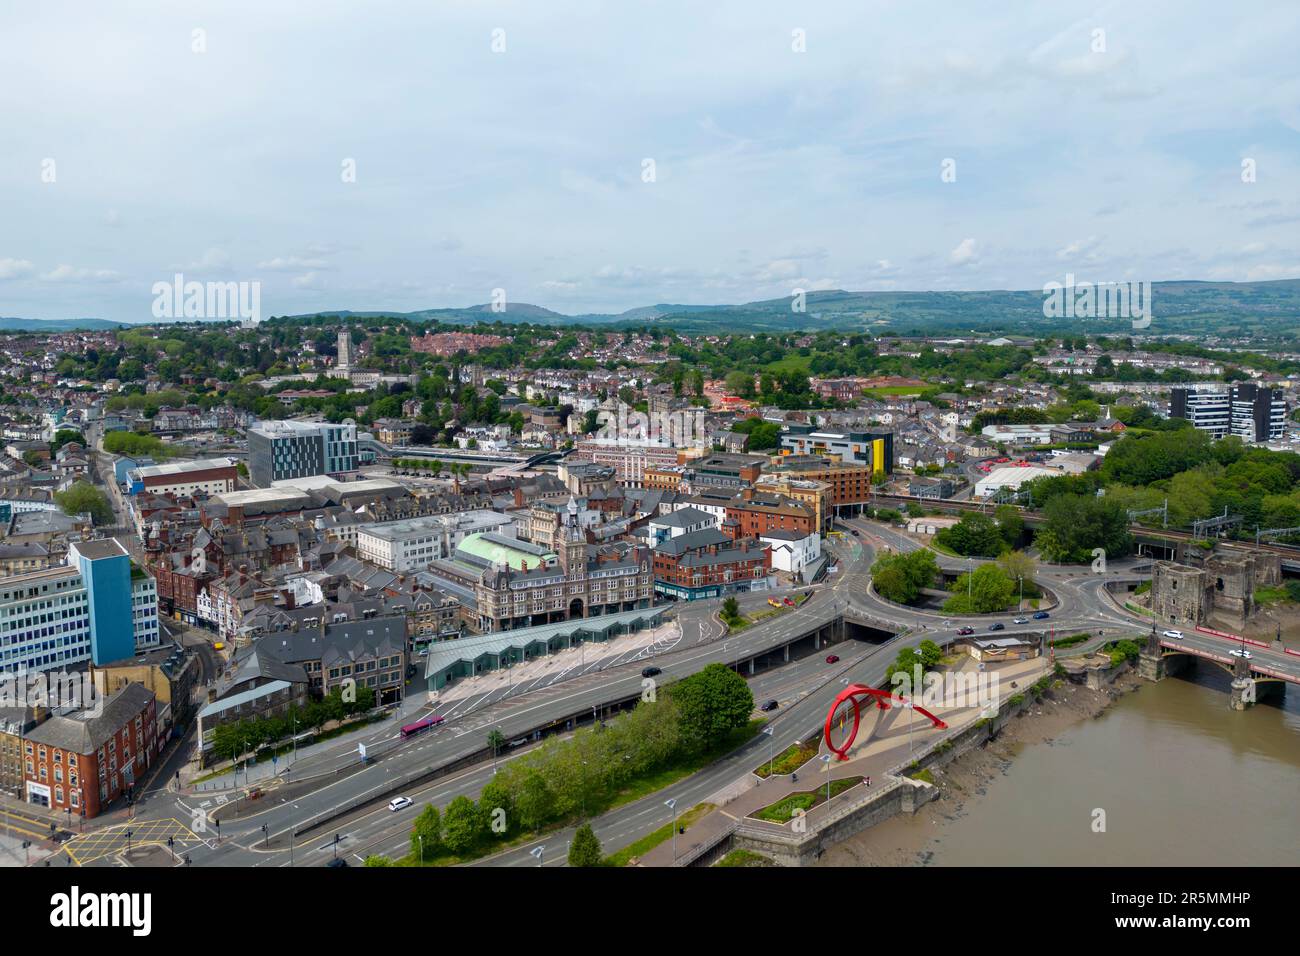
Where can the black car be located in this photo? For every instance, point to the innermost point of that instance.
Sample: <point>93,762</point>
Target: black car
<point>1041,616</point>
<point>337,861</point>
<point>999,626</point>
<point>854,532</point>
<point>769,705</point>
<point>651,671</point>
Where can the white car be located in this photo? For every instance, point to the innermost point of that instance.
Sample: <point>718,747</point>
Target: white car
<point>399,803</point>
<point>1175,635</point>
<point>1021,620</point>
<point>1238,652</point>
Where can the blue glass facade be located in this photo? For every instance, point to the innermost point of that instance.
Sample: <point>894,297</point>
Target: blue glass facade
<point>106,571</point>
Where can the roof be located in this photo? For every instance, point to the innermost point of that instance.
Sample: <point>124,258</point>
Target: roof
<point>243,697</point>
<point>497,549</point>
<point>683,518</point>
<point>181,467</point>
<point>100,548</point>
<point>468,649</point>
<point>86,731</point>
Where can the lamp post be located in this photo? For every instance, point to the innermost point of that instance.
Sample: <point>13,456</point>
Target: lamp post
<point>671,804</point>
<point>826,759</point>
<point>771,748</point>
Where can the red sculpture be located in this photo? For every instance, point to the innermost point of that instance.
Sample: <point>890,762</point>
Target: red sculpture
<point>882,698</point>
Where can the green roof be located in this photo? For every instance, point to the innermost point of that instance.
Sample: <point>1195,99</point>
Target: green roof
<point>495,549</point>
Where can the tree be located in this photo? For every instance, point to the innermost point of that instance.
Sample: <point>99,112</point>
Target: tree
<point>463,825</point>
<point>975,534</point>
<point>585,848</point>
<point>1020,566</point>
<point>426,835</point>
<point>84,497</point>
<point>731,610</point>
<point>986,589</point>
<point>1010,523</point>
<point>65,435</point>
<point>900,577</point>
<point>1076,524</point>
<point>711,703</point>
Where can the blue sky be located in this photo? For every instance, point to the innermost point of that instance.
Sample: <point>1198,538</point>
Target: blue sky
<point>523,169</point>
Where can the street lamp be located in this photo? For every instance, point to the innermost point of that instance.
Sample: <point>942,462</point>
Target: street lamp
<point>771,748</point>
<point>671,804</point>
<point>826,759</point>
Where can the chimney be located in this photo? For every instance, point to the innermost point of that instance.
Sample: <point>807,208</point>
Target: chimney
<point>519,497</point>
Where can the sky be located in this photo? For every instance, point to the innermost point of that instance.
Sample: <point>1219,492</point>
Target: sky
<point>594,157</point>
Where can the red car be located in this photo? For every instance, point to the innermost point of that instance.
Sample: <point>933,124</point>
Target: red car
<point>965,630</point>
<point>788,602</point>
<point>832,658</point>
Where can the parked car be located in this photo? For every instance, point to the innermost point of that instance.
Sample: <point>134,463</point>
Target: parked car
<point>832,658</point>
<point>1041,616</point>
<point>651,671</point>
<point>399,803</point>
<point>788,602</point>
<point>1240,652</point>
<point>965,630</point>
<point>769,705</point>
<point>997,626</point>
<point>1175,635</point>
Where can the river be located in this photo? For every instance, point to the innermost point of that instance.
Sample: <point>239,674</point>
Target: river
<point>1183,781</point>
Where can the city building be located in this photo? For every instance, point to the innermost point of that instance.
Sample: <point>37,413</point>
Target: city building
<point>81,762</point>
<point>284,450</point>
<point>413,544</point>
<point>209,476</point>
<point>515,584</point>
<point>873,449</point>
<point>1252,413</point>
<point>1010,479</point>
<point>629,459</point>
<point>709,564</point>
<point>793,551</point>
<point>98,607</point>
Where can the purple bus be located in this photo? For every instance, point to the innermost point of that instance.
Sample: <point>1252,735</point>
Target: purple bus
<point>420,726</point>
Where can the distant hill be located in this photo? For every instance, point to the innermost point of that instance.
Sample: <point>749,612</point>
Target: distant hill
<point>11,324</point>
<point>1238,309</point>
<point>1180,308</point>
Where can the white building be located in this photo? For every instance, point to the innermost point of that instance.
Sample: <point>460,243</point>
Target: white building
<point>414,543</point>
<point>792,551</point>
<point>679,522</point>
<point>1018,434</point>
<point>1010,478</point>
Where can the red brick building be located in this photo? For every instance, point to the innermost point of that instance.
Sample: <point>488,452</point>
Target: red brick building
<point>83,762</point>
<point>754,514</point>
<point>705,564</point>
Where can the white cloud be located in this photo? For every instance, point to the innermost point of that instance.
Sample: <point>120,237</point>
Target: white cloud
<point>15,268</point>
<point>292,263</point>
<point>67,273</point>
<point>964,253</point>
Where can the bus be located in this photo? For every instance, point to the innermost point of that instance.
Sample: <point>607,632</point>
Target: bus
<point>420,726</point>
